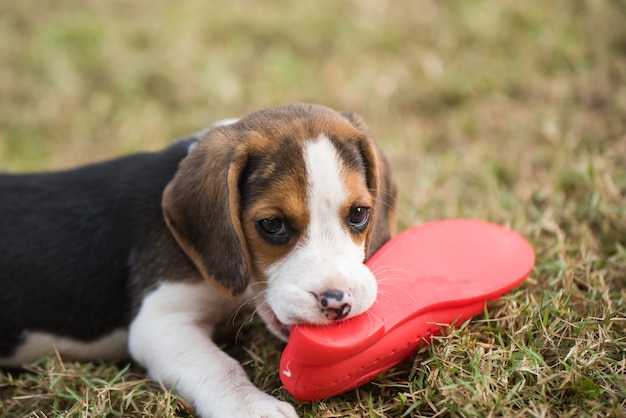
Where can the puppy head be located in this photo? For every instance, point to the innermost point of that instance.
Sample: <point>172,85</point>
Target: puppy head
<point>290,200</point>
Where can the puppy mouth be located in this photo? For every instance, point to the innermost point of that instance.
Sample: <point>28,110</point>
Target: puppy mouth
<point>284,329</point>
<point>280,329</point>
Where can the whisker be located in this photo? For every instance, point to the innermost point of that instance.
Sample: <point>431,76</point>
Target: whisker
<point>245,322</point>
<point>392,269</point>
<point>252,302</point>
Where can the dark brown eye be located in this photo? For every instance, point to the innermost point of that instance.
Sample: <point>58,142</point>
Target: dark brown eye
<point>358,218</point>
<point>274,230</point>
<point>272,226</point>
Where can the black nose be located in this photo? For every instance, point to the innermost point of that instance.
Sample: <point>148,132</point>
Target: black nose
<point>335,304</point>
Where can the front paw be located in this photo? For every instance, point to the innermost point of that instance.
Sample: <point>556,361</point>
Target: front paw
<point>245,404</point>
<point>270,408</point>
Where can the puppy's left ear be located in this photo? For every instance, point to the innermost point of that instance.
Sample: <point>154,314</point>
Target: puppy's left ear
<point>381,185</point>
<point>201,206</point>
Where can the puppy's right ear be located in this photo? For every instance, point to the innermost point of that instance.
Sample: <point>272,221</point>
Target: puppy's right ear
<point>201,206</point>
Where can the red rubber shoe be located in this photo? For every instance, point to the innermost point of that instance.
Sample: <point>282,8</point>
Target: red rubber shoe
<point>438,273</point>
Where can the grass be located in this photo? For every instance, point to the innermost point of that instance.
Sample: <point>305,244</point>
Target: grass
<point>512,112</point>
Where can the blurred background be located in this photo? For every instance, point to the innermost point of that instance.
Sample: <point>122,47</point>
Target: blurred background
<point>508,111</point>
<point>459,94</point>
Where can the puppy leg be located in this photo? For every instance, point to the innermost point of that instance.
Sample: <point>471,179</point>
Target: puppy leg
<point>171,338</point>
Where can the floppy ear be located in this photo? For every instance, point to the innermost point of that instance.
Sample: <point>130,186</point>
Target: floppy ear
<point>201,209</point>
<point>381,185</point>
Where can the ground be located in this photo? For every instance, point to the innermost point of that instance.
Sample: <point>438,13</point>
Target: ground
<point>511,112</point>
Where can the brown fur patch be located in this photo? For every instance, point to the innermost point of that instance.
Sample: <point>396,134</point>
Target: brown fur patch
<point>358,195</point>
<point>286,200</point>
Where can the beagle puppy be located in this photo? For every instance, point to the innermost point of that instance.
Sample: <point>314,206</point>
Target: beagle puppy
<point>146,254</point>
